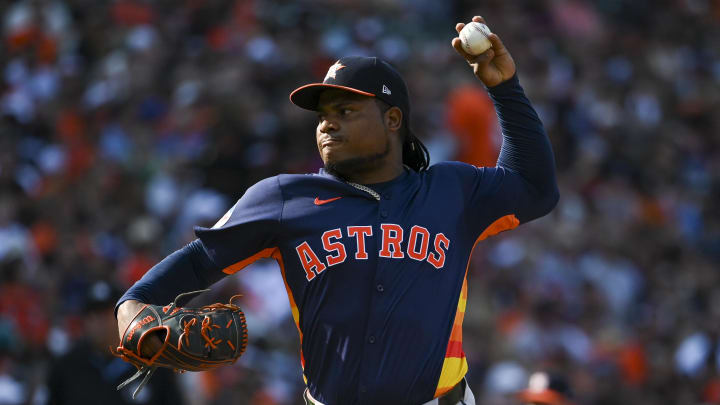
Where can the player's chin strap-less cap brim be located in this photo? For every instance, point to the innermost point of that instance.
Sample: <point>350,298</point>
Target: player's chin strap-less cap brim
<point>308,96</point>
<point>368,76</point>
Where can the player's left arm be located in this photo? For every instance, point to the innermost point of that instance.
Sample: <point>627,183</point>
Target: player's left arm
<point>524,183</point>
<point>241,236</point>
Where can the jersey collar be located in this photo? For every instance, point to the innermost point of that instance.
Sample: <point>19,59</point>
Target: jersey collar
<point>375,186</point>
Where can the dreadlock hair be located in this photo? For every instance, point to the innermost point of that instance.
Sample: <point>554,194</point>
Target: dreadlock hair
<point>414,154</point>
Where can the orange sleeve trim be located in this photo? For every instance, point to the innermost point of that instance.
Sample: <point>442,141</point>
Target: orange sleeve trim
<point>502,224</point>
<point>234,268</point>
<point>293,306</point>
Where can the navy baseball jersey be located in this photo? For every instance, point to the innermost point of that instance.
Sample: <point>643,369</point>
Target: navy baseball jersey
<point>376,274</point>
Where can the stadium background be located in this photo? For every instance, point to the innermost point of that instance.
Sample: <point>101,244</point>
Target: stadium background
<point>123,123</point>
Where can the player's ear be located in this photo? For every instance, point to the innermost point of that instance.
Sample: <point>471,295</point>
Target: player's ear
<point>393,118</point>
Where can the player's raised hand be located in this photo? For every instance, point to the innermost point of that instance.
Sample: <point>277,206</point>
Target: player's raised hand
<point>493,66</point>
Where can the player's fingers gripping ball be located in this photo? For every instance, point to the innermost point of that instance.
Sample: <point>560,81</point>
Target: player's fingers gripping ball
<point>193,339</point>
<point>475,38</point>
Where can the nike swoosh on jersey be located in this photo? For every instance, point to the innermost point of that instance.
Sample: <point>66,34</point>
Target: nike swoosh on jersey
<point>318,201</point>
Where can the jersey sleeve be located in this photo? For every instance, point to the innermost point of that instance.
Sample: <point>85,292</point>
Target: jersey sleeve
<point>187,269</point>
<point>523,185</point>
<point>492,193</point>
<point>248,231</point>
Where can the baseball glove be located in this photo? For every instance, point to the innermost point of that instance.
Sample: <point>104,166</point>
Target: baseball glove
<point>196,339</point>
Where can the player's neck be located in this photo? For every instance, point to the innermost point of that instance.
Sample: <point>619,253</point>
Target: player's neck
<point>381,174</point>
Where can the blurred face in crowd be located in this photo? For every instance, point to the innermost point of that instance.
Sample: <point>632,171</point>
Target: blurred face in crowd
<point>354,135</point>
<point>101,328</point>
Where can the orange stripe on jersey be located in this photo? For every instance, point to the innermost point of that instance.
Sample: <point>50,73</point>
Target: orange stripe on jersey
<point>234,268</point>
<point>502,224</point>
<point>455,365</point>
<point>454,349</point>
<point>293,307</point>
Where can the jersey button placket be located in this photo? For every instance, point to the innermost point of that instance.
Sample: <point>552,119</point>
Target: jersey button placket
<point>374,326</point>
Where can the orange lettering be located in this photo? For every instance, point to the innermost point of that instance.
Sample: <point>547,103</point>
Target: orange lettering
<point>392,236</point>
<point>338,247</point>
<point>360,232</point>
<point>412,243</point>
<point>139,325</point>
<point>309,261</point>
<point>438,259</point>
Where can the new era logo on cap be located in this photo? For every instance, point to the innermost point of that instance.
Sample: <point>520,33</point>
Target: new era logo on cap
<point>386,90</point>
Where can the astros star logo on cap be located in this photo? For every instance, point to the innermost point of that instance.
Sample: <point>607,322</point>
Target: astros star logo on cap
<point>333,70</point>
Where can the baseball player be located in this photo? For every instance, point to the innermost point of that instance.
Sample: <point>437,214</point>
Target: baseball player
<point>374,248</point>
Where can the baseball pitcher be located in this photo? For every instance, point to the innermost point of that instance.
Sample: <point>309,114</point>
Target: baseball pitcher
<point>374,248</point>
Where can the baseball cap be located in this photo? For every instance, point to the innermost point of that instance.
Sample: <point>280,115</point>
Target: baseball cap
<point>546,388</point>
<point>369,76</point>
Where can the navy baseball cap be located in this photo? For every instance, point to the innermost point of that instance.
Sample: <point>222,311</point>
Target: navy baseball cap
<point>369,76</point>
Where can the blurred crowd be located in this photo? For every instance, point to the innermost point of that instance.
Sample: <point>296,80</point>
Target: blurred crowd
<point>124,123</point>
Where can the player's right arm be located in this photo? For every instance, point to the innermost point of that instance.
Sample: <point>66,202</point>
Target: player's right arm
<point>523,185</point>
<point>246,232</point>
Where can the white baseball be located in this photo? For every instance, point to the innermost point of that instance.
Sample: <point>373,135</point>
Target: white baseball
<point>474,38</point>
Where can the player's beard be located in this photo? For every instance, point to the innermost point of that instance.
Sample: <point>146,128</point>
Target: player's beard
<point>349,168</point>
